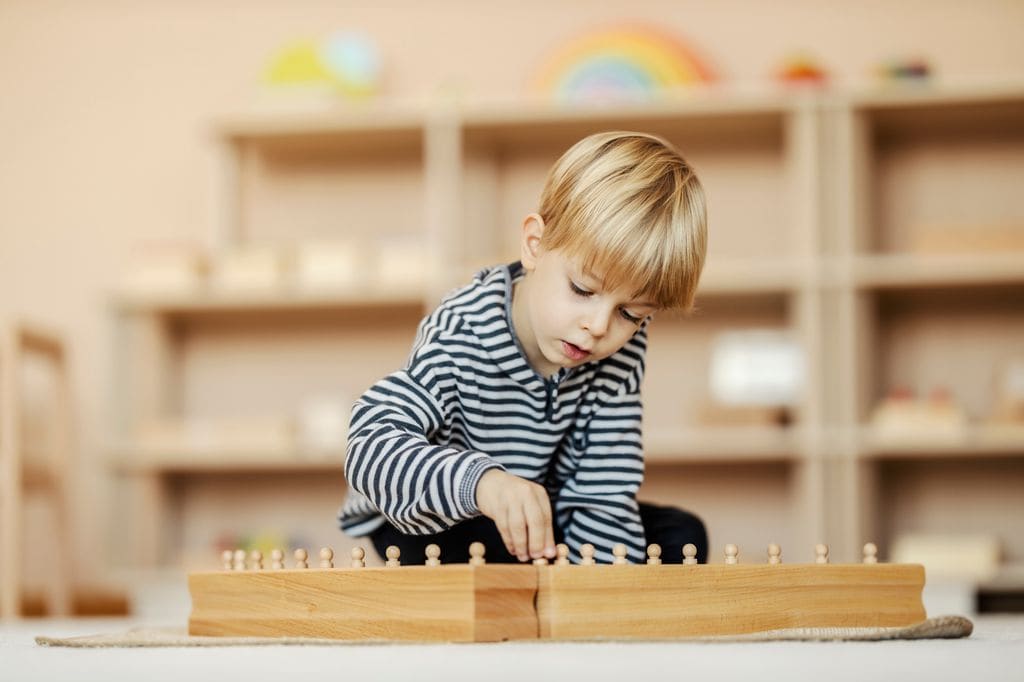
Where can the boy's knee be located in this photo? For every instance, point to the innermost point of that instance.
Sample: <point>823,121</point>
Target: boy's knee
<point>673,528</point>
<point>698,534</point>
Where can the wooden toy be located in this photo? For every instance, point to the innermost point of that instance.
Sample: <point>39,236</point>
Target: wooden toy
<point>493,602</point>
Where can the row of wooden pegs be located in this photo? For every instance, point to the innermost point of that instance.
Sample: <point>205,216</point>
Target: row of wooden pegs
<point>236,560</point>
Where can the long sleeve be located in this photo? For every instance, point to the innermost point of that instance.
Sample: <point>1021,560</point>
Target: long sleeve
<point>418,486</point>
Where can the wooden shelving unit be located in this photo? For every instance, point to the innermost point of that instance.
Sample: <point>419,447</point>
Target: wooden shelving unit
<point>815,205</point>
<point>917,172</point>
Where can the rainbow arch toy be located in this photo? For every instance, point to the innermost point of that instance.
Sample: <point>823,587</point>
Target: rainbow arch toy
<point>621,64</point>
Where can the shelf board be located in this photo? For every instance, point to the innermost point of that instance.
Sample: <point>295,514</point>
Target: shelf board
<point>710,445</point>
<point>268,301</point>
<point>904,271</point>
<point>741,276</point>
<point>936,94</point>
<point>140,461</point>
<point>392,125</point>
<point>975,441</point>
<point>706,114</point>
<point>704,445</point>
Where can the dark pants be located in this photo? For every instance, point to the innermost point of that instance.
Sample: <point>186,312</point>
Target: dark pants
<point>666,526</point>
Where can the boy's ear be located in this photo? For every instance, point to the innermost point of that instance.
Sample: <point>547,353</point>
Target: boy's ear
<point>533,230</point>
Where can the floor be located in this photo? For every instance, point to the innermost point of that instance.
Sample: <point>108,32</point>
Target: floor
<point>994,652</point>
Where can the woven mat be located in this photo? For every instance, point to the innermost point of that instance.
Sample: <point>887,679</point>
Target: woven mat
<point>943,627</point>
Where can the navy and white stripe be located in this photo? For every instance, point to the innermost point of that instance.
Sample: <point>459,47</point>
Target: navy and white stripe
<point>468,401</point>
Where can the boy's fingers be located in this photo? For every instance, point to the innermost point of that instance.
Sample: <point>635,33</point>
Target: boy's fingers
<point>517,529</point>
<point>549,542</point>
<point>548,546</point>
<point>505,537</point>
<point>540,528</point>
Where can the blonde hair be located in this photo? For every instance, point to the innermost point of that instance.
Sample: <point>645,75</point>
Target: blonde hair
<point>633,211</point>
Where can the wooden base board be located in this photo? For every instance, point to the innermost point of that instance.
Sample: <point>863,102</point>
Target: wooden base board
<point>454,603</point>
<point>463,603</point>
<point>659,602</point>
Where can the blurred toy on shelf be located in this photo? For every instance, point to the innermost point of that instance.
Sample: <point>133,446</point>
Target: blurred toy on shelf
<point>901,416</point>
<point>1009,404</point>
<point>346,63</point>
<point>802,69</point>
<point>626,63</point>
<point>756,368</point>
<point>912,70</point>
<point>217,438</point>
<point>247,269</point>
<point>165,269</point>
<point>327,266</point>
<point>977,556</point>
<point>322,426</point>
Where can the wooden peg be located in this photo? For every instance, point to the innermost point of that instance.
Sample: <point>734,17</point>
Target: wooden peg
<point>226,559</point>
<point>540,561</point>
<point>689,554</point>
<point>562,554</point>
<point>774,554</point>
<point>300,558</point>
<point>821,553</point>
<point>587,555</point>
<point>653,554</point>
<point>358,556</point>
<point>239,560</point>
<point>256,560</point>
<point>871,553</point>
<point>732,554</point>
<point>433,555</point>
<point>276,559</point>
<point>393,554</point>
<point>326,557</point>
<point>619,551</point>
<point>476,554</point>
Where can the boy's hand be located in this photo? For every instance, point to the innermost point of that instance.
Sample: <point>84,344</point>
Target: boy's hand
<point>522,512</point>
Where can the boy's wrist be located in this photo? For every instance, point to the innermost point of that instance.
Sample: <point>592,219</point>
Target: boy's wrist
<point>471,481</point>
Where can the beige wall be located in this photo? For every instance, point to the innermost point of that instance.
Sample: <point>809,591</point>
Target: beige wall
<point>103,106</point>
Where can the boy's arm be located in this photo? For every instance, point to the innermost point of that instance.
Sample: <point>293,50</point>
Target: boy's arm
<point>419,487</point>
<point>597,503</point>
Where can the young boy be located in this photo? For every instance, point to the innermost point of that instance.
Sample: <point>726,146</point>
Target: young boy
<point>516,420</point>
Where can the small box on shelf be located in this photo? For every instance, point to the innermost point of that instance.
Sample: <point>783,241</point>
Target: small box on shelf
<point>900,416</point>
<point>248,269</point>
<point>165,270</point>
<point>327,267</point>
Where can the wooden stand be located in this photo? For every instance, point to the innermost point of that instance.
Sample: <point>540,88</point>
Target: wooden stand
<point>18,474</point>
<point>484,603</point>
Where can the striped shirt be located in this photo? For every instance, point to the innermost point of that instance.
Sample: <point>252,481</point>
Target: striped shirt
<point>468,401</point>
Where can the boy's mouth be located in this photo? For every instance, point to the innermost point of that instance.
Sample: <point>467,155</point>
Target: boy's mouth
<point>574,352</point>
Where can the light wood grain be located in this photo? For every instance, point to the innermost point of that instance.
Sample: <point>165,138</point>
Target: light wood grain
<point>455,603</point>
<point>657,602</point>
<point>463,603</point>
<point>46,478</point>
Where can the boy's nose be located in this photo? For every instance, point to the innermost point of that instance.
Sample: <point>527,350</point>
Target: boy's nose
<point>597,323</point>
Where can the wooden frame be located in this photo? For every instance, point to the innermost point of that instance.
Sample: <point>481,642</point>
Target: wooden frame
<point>18,474</point>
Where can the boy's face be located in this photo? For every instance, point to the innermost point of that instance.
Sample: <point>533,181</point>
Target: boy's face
<point>565,316</point>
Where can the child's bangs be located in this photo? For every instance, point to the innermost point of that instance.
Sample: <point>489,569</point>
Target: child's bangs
<point>644,266</point>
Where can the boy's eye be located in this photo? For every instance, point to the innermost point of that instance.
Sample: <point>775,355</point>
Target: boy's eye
<point>579,291</point>
<point>630,317</point>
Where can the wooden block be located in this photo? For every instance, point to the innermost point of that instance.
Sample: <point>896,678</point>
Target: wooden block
<point>452,603</point>
<point>662,602</point>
